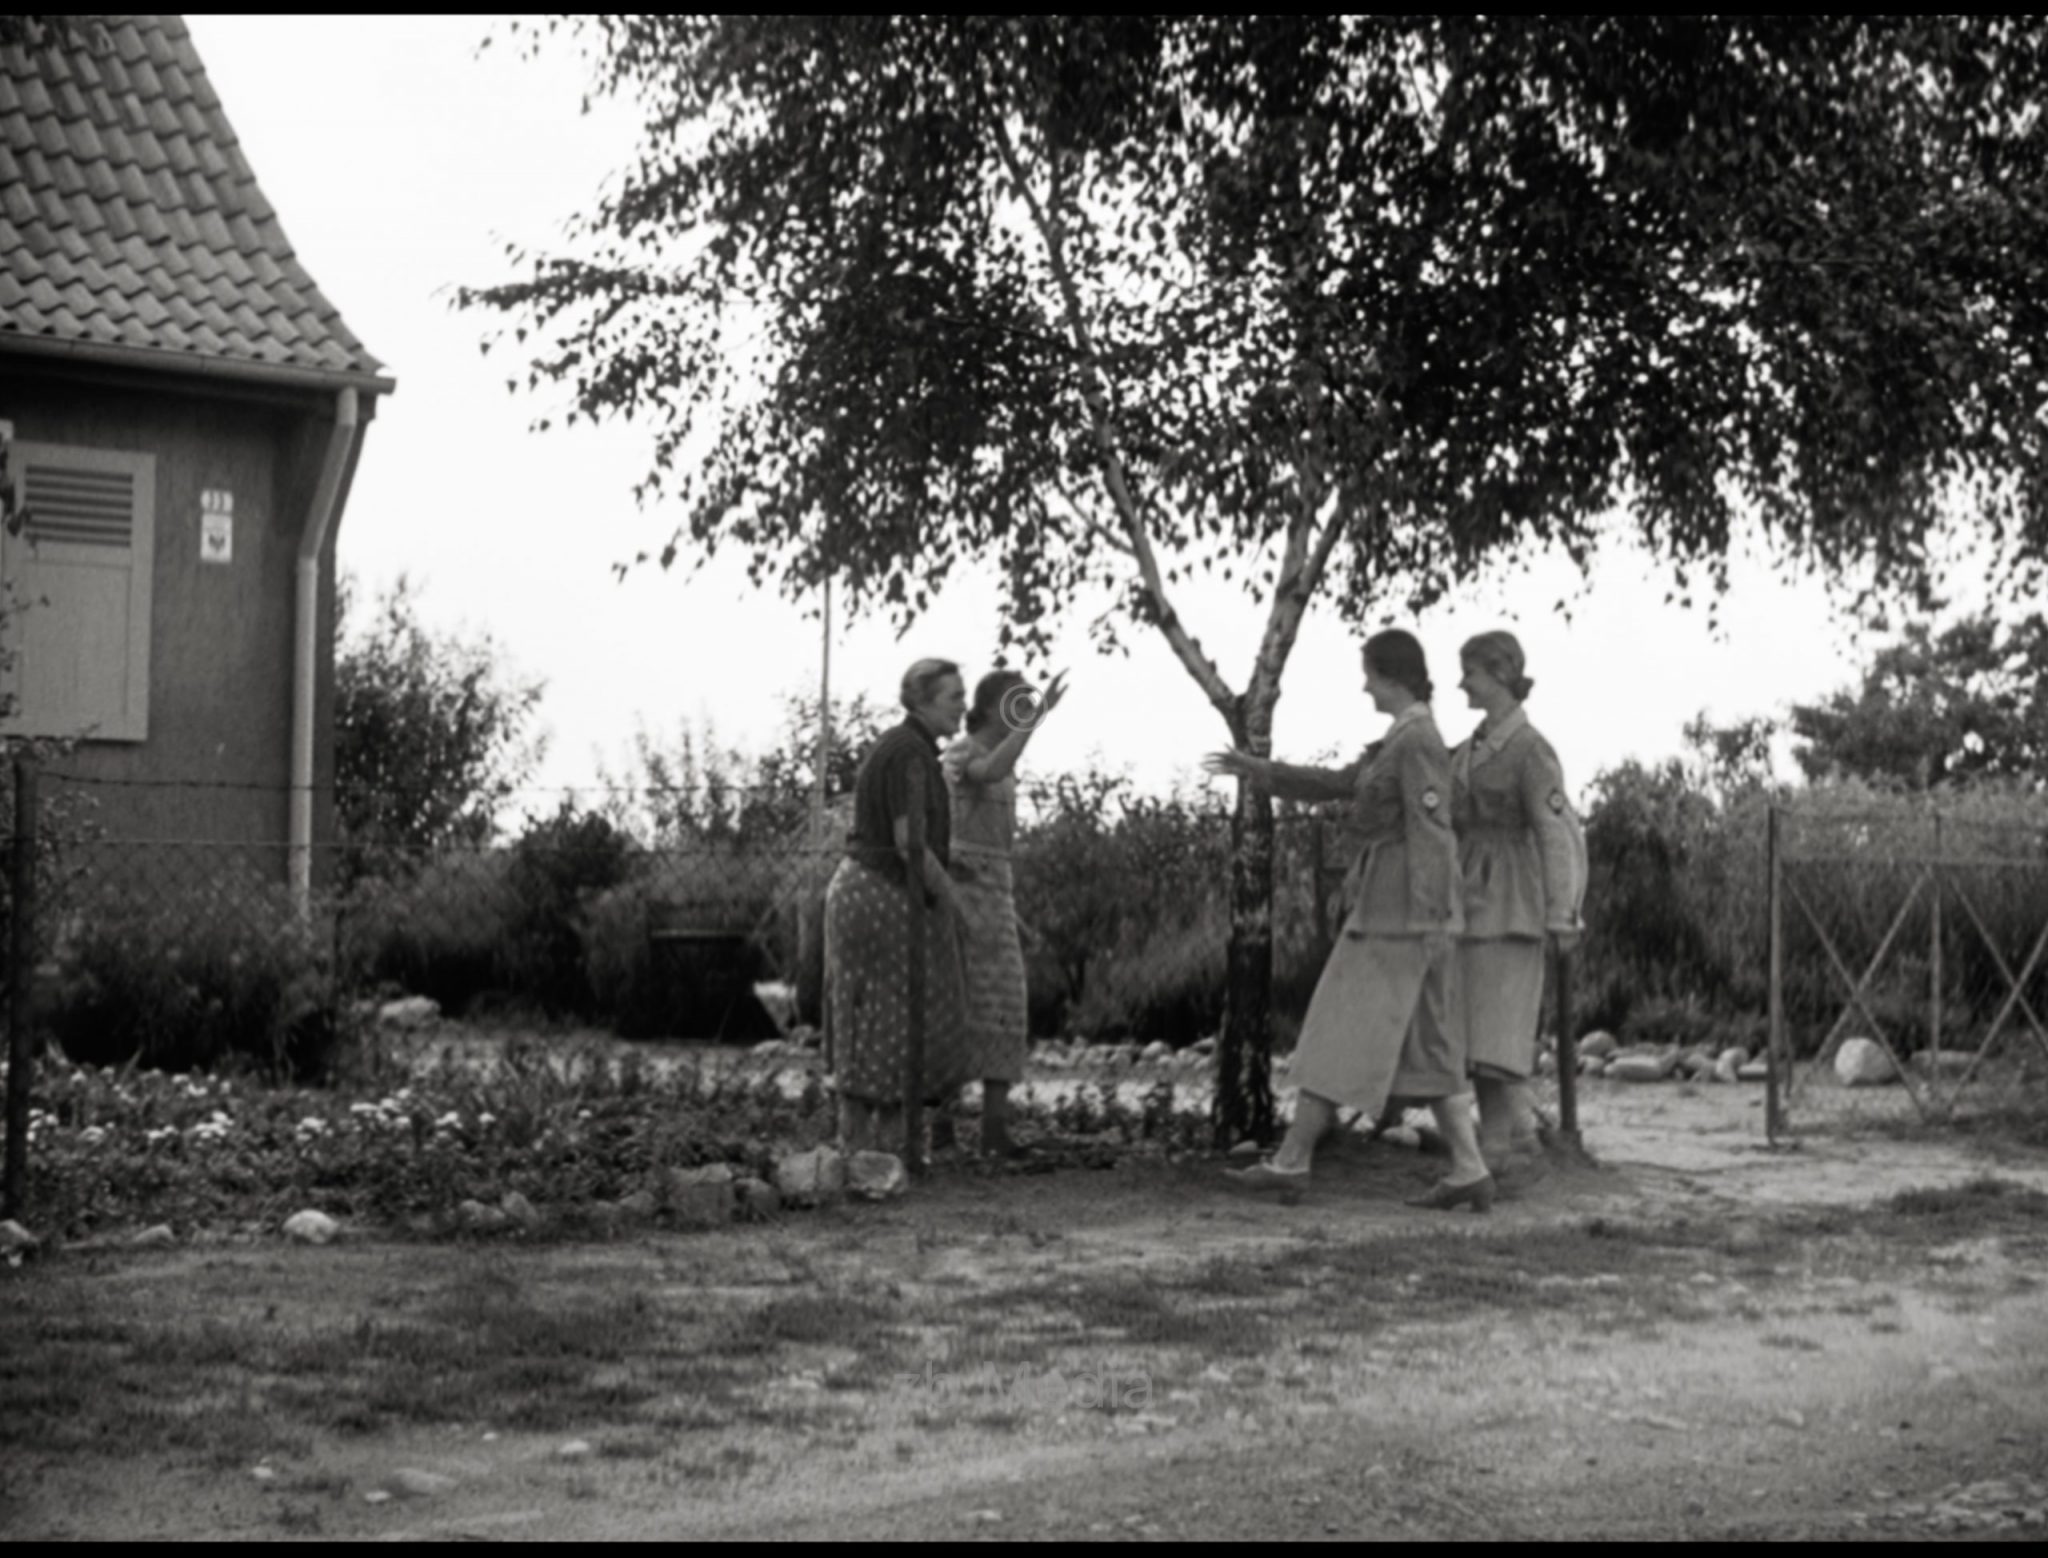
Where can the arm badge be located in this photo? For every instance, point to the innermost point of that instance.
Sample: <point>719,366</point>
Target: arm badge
<point>1557,802</point>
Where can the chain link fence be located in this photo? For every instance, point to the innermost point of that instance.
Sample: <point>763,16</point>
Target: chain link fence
<point>180,952</point>
<point>1909,965</point>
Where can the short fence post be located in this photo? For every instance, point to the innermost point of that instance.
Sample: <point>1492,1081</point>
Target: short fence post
<point>913,1049</point>
<point>21,960</point>
<point>1775,1058</point>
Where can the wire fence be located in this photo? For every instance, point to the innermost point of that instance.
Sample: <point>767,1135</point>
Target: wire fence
<point>180,950</point>
<point>1909,966</point>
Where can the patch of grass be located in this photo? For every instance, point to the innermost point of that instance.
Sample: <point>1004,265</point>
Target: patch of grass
<point>1791,1343</point>
<point>826,1319</point>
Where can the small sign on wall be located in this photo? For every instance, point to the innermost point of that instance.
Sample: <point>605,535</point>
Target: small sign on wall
<point>216,526</point>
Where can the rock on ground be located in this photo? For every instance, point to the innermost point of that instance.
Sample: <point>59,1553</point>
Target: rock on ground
<point>807,1178</point>
<point>310,1227</point>
<point>1642,1068</point>
<point>1598,1045</point>
<point>159,1237</point>
<point>1864,1063</point>
<point>478,1218</point>
<point>520,1210</point>
<point>16,1241</point>
<point>758,1200</point>
<point>876,1176</point>
<point>414,1011</point>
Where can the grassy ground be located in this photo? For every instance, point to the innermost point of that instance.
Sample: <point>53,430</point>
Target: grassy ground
<point>980,1323</point>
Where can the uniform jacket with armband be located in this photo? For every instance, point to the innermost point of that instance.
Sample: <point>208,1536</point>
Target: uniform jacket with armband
<point>1521,849</point>
<point>1405,880</point>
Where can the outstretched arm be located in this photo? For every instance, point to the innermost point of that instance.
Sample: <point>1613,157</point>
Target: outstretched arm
<point>1289,781</point>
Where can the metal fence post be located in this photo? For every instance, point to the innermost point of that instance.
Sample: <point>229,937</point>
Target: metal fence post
<point>1934,970</point>
<point>1774,1043</point>
<point>1567,1053</point>
<point>913,1049</point>
<point>21,959</point>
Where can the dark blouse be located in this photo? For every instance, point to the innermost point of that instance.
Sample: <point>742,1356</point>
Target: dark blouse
<point>881,794</point>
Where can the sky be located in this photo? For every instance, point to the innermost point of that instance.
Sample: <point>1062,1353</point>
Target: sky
<point>402,162</point>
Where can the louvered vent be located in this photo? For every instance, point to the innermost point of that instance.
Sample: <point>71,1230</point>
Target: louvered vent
<point>79,508</point>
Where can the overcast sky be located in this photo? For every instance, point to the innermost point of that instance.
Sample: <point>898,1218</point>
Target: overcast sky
<point>401,162</point>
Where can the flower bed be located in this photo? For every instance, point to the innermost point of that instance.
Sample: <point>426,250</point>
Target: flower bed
<point>111,1147</point>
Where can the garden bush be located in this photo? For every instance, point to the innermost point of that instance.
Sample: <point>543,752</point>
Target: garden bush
<point>182,981</point>
<point>439,932</point>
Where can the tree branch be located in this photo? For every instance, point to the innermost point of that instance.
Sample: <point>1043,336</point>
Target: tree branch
<point>1095,393</point>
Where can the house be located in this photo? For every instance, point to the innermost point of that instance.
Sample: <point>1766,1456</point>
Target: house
<point>182,412</point>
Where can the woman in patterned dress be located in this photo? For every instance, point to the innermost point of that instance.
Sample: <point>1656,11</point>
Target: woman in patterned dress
<point>1522,858</point>
<point>1384,1018</point>
<point>868,921</point>
<point>981,773</point>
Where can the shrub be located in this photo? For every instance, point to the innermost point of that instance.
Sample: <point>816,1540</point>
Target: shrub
<point>673,989</point>
<point>558,864</point>
<point>439,933</point>
<point>183,981</point>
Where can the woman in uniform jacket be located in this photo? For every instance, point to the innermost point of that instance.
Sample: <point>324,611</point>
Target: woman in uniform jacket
<point>1522,859</point>
<point>1384,1016</point>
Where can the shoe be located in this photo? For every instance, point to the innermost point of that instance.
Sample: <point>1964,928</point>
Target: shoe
<point>1445,1198</point>
<point>1264,1176</point>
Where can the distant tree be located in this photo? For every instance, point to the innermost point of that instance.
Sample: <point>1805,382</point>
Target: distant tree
<point>695,790</point>
<point>1726,761</point>
<point>1337,305</point>
<point>1967,702</point>
<point>431,734</point>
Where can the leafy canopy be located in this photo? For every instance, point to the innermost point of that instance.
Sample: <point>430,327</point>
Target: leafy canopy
<point>431,734</point>
<point>1967,702</point>
<point>1380,296</point>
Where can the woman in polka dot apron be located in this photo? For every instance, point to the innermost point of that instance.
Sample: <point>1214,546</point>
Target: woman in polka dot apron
<point>868,921</point>
<point>1384,1021</point>
<point>1522,857</point>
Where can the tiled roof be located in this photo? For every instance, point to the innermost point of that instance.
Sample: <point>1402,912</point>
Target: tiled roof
<point>129,217</point>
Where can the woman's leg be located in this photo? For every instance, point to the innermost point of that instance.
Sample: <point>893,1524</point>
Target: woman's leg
<point>1313,1115</point>
<point>1496,1114</point>
<point>1454,1121</point>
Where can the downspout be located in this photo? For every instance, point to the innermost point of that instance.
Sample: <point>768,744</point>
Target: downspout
<point>306,647</point>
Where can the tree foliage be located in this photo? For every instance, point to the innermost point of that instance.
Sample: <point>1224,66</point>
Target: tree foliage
<point>1966,702</point>
<point>1487,277</point>
<point>431,734</point>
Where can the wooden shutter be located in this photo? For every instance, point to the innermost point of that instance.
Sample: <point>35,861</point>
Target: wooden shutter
<point>78,574</point>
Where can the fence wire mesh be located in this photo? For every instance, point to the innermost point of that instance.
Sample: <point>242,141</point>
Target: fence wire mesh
<point>183,951</point>
<point>1909,966</point>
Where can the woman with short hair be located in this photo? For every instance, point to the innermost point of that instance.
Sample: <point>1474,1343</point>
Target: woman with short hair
<point>1522,860</point>
<point>1383,1021</point>
<point>869,920</point>
<point>981,774</point>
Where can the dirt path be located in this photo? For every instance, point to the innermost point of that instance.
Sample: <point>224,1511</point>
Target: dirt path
<point>1697,1339</point>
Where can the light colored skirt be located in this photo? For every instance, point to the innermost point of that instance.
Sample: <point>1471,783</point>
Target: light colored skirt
<point>1501,989</point>
<point>867,989</point>
<point>997,1016</point>
<point>1382,1023</point>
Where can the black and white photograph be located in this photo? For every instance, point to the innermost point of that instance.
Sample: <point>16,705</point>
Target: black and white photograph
<point>1121,777</point>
